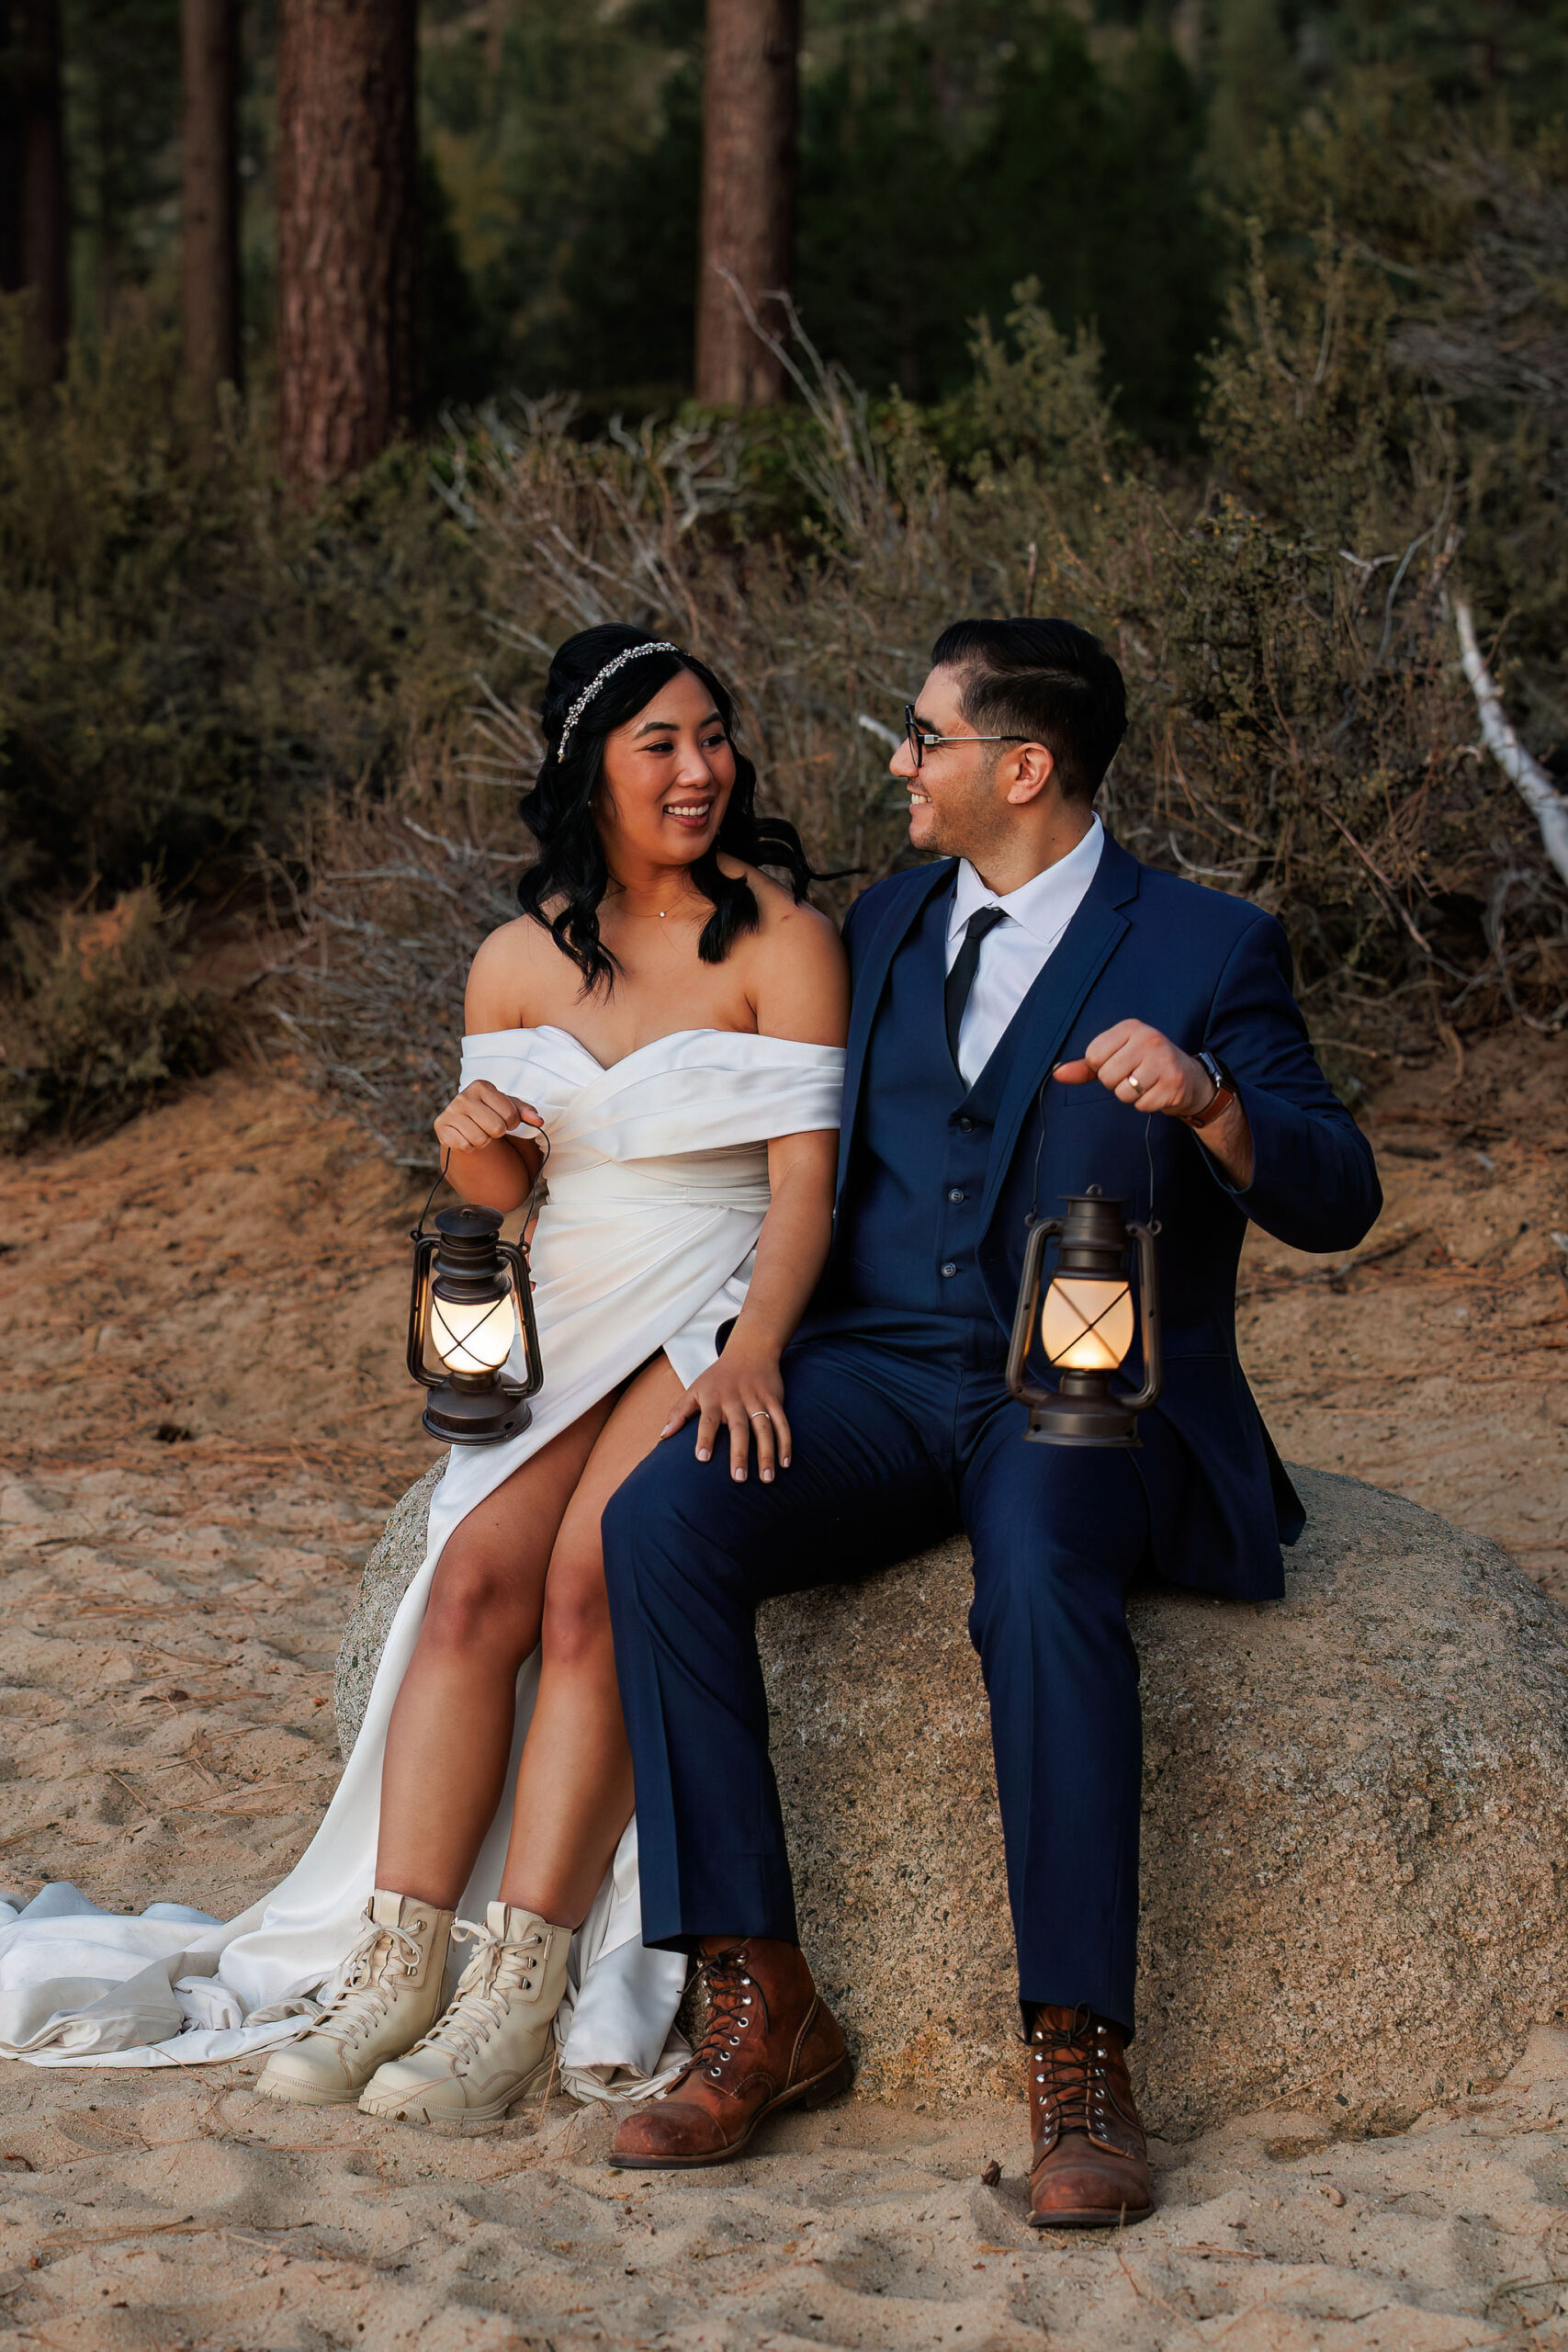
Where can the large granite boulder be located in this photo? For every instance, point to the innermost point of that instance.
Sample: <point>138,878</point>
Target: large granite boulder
<point>1355,1825</point>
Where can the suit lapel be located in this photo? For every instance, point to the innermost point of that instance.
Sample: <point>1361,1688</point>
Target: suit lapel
<point>1040,1026</point>
<point>894,926</point>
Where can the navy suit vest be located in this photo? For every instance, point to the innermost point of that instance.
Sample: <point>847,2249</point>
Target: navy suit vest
<point>910,1227</point>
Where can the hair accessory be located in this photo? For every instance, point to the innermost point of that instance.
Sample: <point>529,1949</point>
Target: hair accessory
<point>592,688</point>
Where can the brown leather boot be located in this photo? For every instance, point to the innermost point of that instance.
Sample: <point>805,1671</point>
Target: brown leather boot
<point>770,2043</point>
<point>1091,2164</point>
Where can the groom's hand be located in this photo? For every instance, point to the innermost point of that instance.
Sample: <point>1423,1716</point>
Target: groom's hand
<point>1142,1068</point>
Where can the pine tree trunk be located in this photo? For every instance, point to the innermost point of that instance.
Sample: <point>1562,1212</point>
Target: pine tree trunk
<point>10,152</point>
<point>34,226</point>
<point>348,232</point>
<point>749,105</point>
<point>209,197</point>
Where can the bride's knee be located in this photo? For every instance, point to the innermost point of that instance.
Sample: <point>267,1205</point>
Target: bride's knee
<point>475,1604</point>
<point>576,1626</point>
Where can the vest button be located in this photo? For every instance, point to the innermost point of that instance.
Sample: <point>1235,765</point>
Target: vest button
<point>955,1192</point>
<point>950,1269</point>
<point>965,1125</point>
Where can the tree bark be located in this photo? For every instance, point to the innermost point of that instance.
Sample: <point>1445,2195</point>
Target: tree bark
<point>347,230</point>
<point>11,86</point>
<point>209,197</point>
<point>34,223</point>
<point>750,103</point>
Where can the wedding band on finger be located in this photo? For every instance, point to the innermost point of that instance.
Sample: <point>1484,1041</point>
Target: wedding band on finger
<point>758,1417</point>
<point>1136,1085</point>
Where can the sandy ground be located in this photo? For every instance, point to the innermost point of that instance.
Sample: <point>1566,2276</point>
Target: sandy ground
<point>1436,1364</point>
<point>202,1419</point>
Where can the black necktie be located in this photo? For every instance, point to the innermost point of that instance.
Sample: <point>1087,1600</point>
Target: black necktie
<point>967,963</point>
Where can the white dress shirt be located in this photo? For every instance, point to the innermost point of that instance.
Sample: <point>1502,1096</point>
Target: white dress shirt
<point>1015,953</point>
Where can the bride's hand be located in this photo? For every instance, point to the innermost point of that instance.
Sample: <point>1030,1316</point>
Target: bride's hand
<point>481,1114</point>
<point>743,1393</point>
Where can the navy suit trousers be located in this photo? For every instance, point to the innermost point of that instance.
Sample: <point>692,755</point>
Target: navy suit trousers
<point>902,1434</point>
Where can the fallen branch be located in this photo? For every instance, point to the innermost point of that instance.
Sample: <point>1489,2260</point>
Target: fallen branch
<point>1535,787</point>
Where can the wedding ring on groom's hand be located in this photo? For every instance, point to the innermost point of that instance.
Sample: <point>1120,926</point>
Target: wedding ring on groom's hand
<point>1136,1085</point>
<point>758,1417</point>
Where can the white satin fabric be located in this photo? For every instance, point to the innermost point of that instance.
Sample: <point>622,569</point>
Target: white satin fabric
<point>657,1185</point>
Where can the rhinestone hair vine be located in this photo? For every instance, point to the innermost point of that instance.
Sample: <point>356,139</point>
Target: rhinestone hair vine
<point>632,653</point>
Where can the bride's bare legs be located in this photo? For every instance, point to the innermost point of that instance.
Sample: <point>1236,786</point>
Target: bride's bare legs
<point>574,1788</point>
<point>452,1724</point>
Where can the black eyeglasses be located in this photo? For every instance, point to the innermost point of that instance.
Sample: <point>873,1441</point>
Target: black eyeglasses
<point>920,742</point>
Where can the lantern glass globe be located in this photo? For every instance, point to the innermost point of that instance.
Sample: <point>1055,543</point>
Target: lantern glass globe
<point>473,1335</point>
<point>1087,1326</point>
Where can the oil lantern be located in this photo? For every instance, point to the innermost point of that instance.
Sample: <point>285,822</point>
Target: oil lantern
<point>1086,1325</point>
<point>471,1314</point>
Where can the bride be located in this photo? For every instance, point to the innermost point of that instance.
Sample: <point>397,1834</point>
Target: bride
<point>671,1022</point>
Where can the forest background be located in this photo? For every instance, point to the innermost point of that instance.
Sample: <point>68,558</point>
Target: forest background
<point>1237,329</point>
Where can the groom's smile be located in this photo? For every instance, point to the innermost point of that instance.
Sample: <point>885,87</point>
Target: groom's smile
<point>947,768</point>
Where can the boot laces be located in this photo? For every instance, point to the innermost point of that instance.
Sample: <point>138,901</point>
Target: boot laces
<point>1068,2072</point>
<point>369,1982</point>
<point>733,2003</point>
<point>497,1972</point>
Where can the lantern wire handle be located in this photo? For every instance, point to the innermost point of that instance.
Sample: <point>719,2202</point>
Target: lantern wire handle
<point>536,1192</point>
<point>1033,1216</point>
<point>418,1233</point>
<point>1032,1219</point>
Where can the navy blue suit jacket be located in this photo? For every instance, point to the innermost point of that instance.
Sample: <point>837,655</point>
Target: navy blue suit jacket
<point>1206,970</point>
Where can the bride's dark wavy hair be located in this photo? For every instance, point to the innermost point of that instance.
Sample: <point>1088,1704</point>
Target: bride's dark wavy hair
<point>559,809</point>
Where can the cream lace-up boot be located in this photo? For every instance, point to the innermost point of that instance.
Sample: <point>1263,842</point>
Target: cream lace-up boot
<point>495,2040</point>
<point>389,1989</point>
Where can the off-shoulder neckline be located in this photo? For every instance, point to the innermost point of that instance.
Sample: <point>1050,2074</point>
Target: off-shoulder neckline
<point>553,1029</point>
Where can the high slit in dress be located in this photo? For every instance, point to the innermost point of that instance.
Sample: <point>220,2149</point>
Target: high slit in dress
<point>658,1188</point>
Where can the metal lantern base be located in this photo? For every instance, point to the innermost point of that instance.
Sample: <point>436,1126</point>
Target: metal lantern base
<point>474,1417</point>
<point>1072,1420</point>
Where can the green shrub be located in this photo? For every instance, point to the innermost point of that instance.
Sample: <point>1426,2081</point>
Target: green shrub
<point>102,1021</point>
<point>1420,271</point>
<point>187,658</point>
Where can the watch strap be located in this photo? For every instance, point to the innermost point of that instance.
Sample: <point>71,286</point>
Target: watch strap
<point>1222,1098</point>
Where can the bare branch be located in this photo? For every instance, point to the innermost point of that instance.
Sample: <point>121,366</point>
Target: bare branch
<point>1525,774</point>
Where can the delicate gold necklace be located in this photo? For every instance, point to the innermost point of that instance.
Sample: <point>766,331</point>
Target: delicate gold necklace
<point>663,911</point>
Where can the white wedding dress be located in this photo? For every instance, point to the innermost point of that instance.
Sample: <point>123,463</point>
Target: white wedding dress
<point>657,1185</point>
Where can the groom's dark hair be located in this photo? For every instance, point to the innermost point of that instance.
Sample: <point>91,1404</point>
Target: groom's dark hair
<point>1046,681</point>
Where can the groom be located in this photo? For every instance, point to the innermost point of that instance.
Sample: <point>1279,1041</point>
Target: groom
<point>1034,1012</point>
